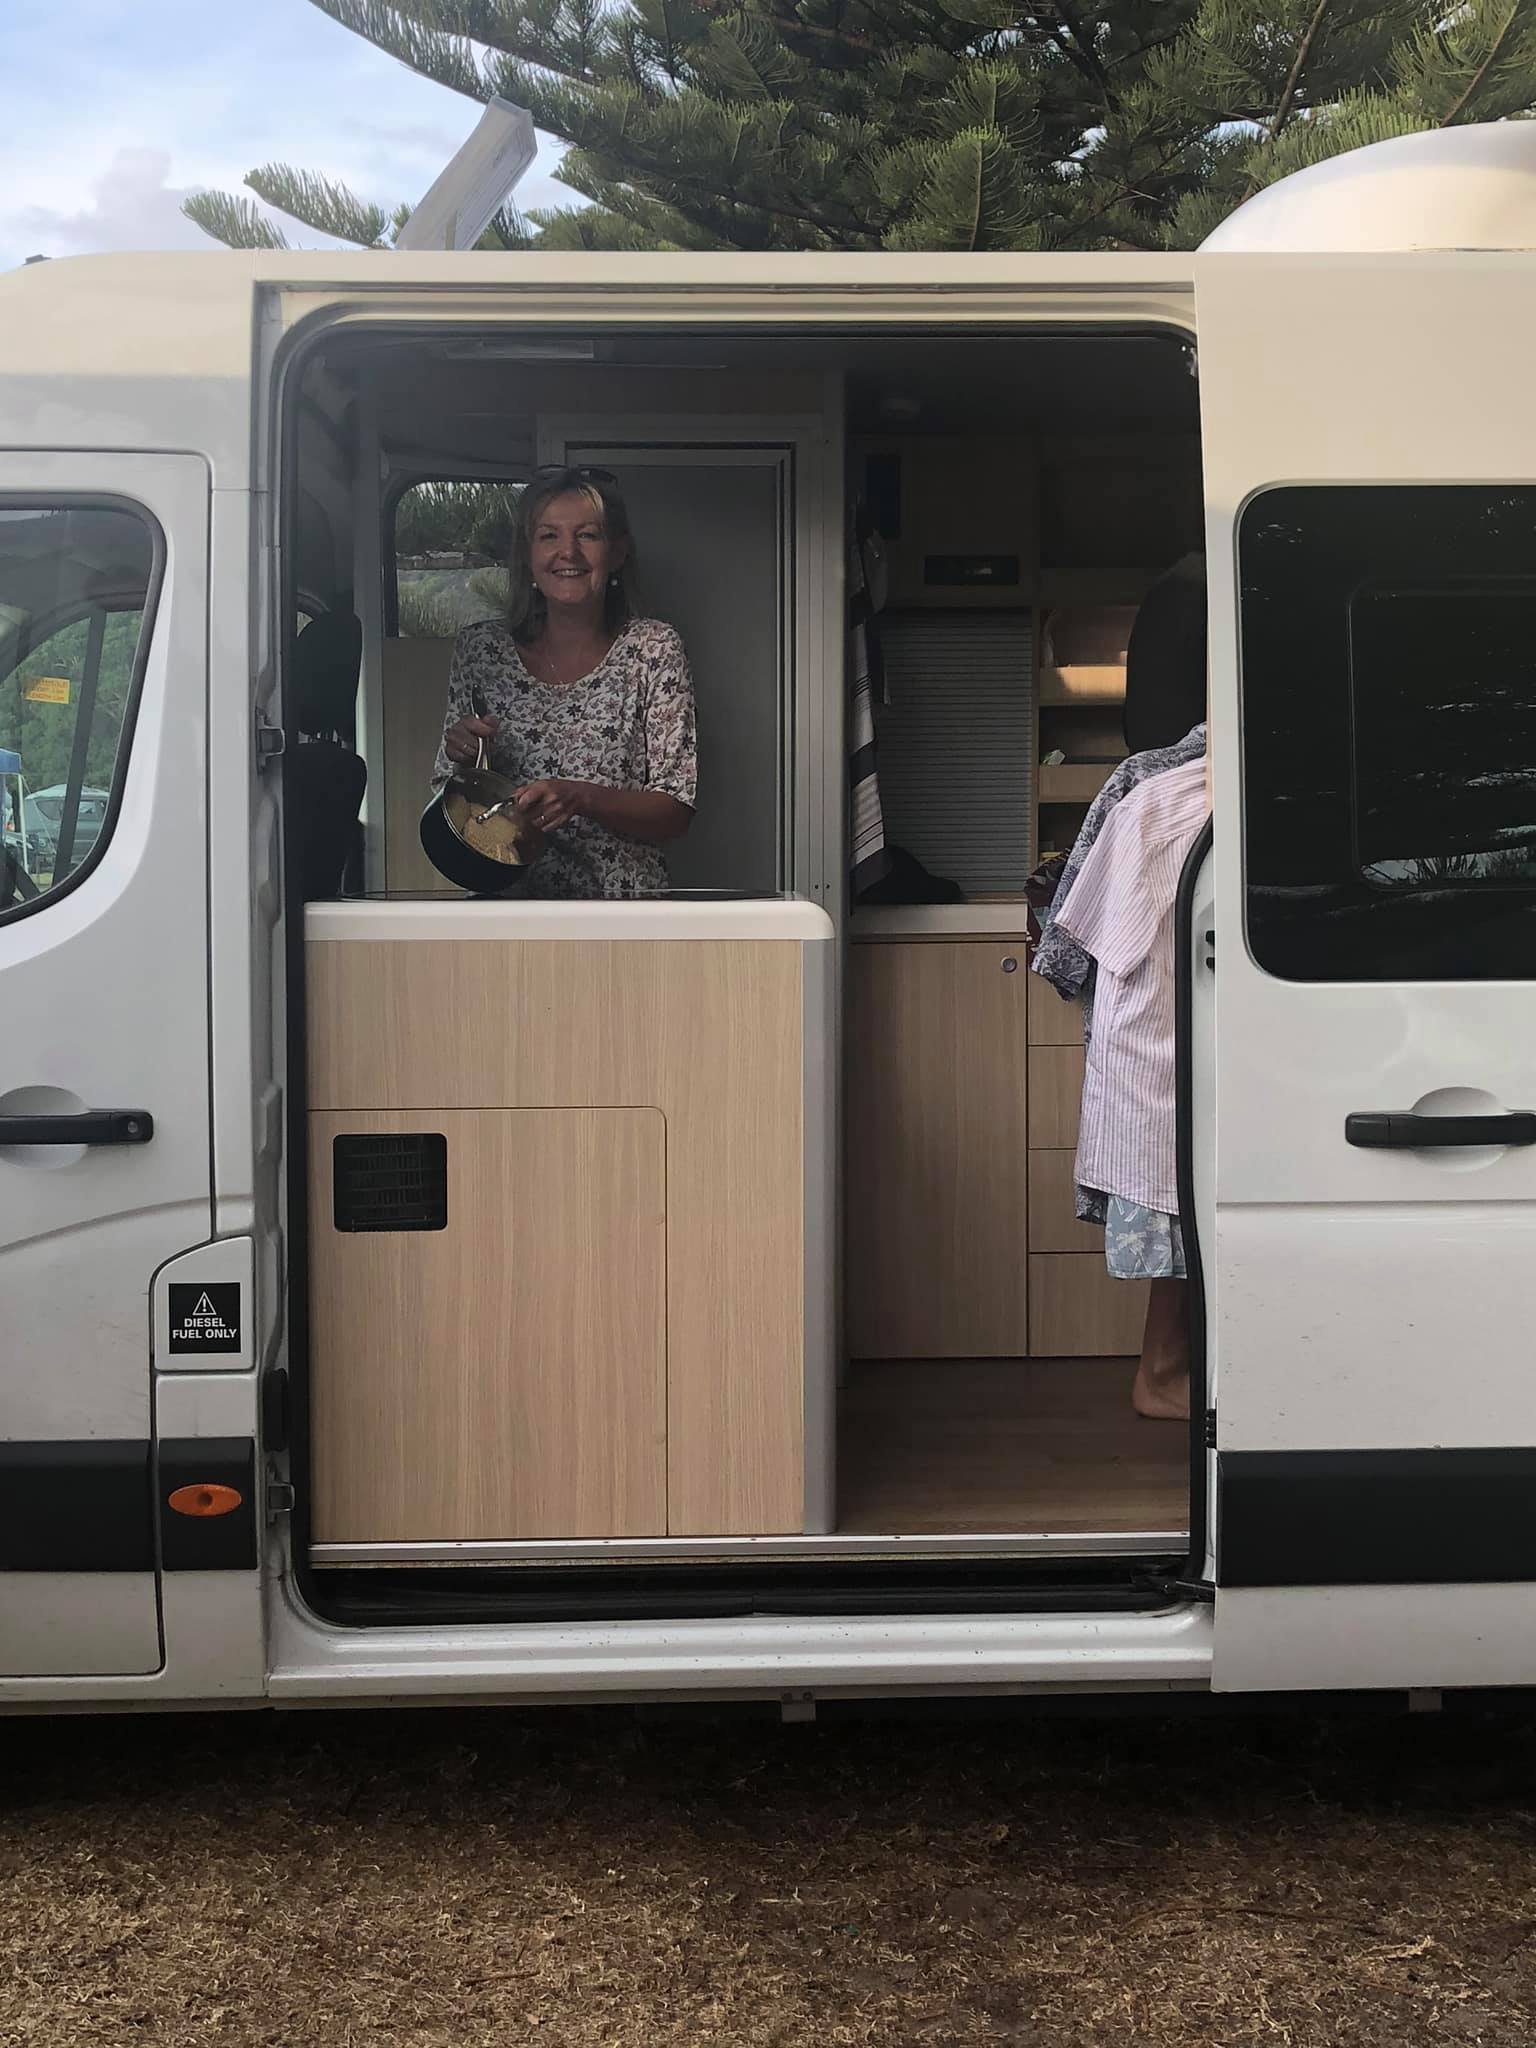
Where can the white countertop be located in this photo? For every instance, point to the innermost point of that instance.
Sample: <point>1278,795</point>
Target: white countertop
<point>791,918</point>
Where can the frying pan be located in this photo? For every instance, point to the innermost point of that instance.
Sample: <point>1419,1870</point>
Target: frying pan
<point>458,808</point>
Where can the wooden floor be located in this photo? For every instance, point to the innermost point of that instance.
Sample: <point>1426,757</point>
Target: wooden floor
<point>945,1447</point>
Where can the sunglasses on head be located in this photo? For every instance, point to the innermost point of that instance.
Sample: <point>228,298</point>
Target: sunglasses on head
<point>580,470</point>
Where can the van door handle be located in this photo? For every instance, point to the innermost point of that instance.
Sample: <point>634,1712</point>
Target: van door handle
<point>89,1127</point>
<point>1391,1127</point>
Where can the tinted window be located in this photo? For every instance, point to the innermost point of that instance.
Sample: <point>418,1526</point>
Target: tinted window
<point>1389,732</point>
<point>74,588</point>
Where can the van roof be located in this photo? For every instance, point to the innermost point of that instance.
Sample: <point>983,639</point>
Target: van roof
<point>156,351</point>
<point>198,300</point>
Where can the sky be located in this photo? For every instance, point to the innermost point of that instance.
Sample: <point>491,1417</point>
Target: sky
<point>115,109</point>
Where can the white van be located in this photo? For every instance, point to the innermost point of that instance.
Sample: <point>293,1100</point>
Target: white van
<point>410,1295</point>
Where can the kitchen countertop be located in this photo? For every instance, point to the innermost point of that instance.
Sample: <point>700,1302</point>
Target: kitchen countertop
<point>680,915</point>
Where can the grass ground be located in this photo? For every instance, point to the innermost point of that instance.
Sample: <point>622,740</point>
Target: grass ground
<point>454,1880</point>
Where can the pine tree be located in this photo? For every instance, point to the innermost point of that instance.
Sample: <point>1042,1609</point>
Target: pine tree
<point>922,124</point>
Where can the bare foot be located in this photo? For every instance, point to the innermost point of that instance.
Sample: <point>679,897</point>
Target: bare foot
<point>1161,1390</point>
<point>1161,1400</point>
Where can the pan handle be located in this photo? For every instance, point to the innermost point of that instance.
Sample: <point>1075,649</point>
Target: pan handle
<point>477,704</point>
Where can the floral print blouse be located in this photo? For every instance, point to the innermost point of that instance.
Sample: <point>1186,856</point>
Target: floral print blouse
<point>628,725</point>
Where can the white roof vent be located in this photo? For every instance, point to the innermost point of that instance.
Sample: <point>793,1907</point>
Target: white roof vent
<point>1453,188</point>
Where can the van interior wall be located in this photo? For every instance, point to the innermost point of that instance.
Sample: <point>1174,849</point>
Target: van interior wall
<point>988,1382</point>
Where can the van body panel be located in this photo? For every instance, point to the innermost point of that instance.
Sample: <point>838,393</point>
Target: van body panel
<point>753,1656</point>
<point>105,995</point>
<point>1367,1300</point>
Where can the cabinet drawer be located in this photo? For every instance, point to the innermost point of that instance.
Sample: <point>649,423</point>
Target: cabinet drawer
<point>1051,1021</point>
<point>1055,1095</point>
<point>1077,1311</point>
<point>1053,1225</point>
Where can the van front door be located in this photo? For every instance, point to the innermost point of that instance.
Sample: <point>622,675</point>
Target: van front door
<point>104,1058</point>
<point>1371,465</point>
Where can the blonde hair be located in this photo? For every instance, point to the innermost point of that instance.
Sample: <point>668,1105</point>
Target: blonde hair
<point>526,609</point>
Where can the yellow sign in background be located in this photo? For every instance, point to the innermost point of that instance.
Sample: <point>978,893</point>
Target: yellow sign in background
<point>47,690</point>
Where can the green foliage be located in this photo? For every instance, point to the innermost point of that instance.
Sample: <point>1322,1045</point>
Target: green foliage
<point>926,124</point>
<point>473,520</point>
<point>44,734</point>
<point>322,204</point>
<point>233,221</point>
<point>451,545</point>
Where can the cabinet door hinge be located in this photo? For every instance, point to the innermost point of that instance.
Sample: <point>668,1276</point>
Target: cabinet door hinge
<point>1210,1429</point>
<point>280,1498</point>
<point>270,742</point>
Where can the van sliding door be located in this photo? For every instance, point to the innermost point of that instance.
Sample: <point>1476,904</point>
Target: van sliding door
<point>1371,477</point>
<point>106,1266</point>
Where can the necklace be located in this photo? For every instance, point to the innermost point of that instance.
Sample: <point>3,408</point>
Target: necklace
<point>551,671</point>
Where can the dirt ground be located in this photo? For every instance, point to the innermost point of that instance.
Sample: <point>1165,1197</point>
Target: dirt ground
<point>431,1878</point>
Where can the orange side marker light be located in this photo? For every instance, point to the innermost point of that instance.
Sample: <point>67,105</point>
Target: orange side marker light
<point>205,1500</point>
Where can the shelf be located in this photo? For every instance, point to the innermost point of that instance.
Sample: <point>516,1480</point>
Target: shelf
<point>1079,687</point>
<point>1074,782</point>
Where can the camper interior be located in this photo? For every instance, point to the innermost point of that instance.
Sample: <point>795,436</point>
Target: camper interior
<point>738,1224</point>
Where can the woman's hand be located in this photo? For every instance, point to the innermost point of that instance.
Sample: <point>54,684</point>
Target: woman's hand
<point>552,803</point>
<point>462,742</point>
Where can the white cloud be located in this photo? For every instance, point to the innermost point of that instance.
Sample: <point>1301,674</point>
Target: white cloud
<point>131,206</point>
<point>178,96</point>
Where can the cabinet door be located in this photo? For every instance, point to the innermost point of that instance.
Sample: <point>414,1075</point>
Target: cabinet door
<point>936,1159</point>
<point>504,1375</point>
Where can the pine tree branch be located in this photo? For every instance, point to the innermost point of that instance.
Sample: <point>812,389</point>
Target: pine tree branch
<point>320,203</point>
<point>792,24</point>
<point>1292,84</point>
<point>1476,84</point>
<point>1118,198</point>
<point>1087,57</point>
<point>232,220</point>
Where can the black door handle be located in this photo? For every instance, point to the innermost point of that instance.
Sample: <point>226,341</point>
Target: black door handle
<point>1391,1127</point>
<point>90,1127</point>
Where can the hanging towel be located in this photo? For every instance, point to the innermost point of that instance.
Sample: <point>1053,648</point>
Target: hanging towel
<point>868,857</point>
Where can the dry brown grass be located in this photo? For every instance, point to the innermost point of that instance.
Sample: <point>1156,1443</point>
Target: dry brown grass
<point>428,1879</point>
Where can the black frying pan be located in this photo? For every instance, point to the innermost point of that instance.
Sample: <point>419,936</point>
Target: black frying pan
<point>470,793</point>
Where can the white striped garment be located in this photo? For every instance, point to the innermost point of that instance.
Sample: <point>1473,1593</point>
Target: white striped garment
<point>1120,910</point>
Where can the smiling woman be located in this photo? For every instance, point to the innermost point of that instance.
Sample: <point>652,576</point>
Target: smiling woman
<point>586,707</point>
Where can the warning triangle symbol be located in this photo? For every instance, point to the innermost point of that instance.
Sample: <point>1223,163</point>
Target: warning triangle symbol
<point>204,1306</point>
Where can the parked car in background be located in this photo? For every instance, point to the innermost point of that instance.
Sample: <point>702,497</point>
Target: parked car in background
<point>45,818</point>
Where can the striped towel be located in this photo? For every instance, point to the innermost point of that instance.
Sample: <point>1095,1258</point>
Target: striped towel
<point>868,858</point>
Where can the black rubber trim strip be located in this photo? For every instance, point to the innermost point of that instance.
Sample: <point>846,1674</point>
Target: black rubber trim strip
<point>76,1506</point>
<point>208,1543</point>
<point>446,1596</point>
<point>1189,1225</point>
<point>1377,1518</point>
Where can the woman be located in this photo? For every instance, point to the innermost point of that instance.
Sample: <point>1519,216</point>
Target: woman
<point>587,707</point>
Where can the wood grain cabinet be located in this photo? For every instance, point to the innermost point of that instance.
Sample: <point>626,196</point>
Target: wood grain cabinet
<point>936,1160</point>
<point>962,1090</point>
<point>503,1376</point>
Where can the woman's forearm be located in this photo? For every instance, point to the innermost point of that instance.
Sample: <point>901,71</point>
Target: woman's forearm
<point>636,813</point>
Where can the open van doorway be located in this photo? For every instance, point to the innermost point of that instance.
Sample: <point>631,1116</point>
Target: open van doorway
<point>953,1383</point>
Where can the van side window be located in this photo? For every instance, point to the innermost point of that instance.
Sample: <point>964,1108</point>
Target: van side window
<point>449,554</point>
<point>76,586</point>
<point>1389,732</point>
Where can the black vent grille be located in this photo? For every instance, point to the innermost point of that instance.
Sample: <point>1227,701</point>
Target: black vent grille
<point>395,1181</point>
